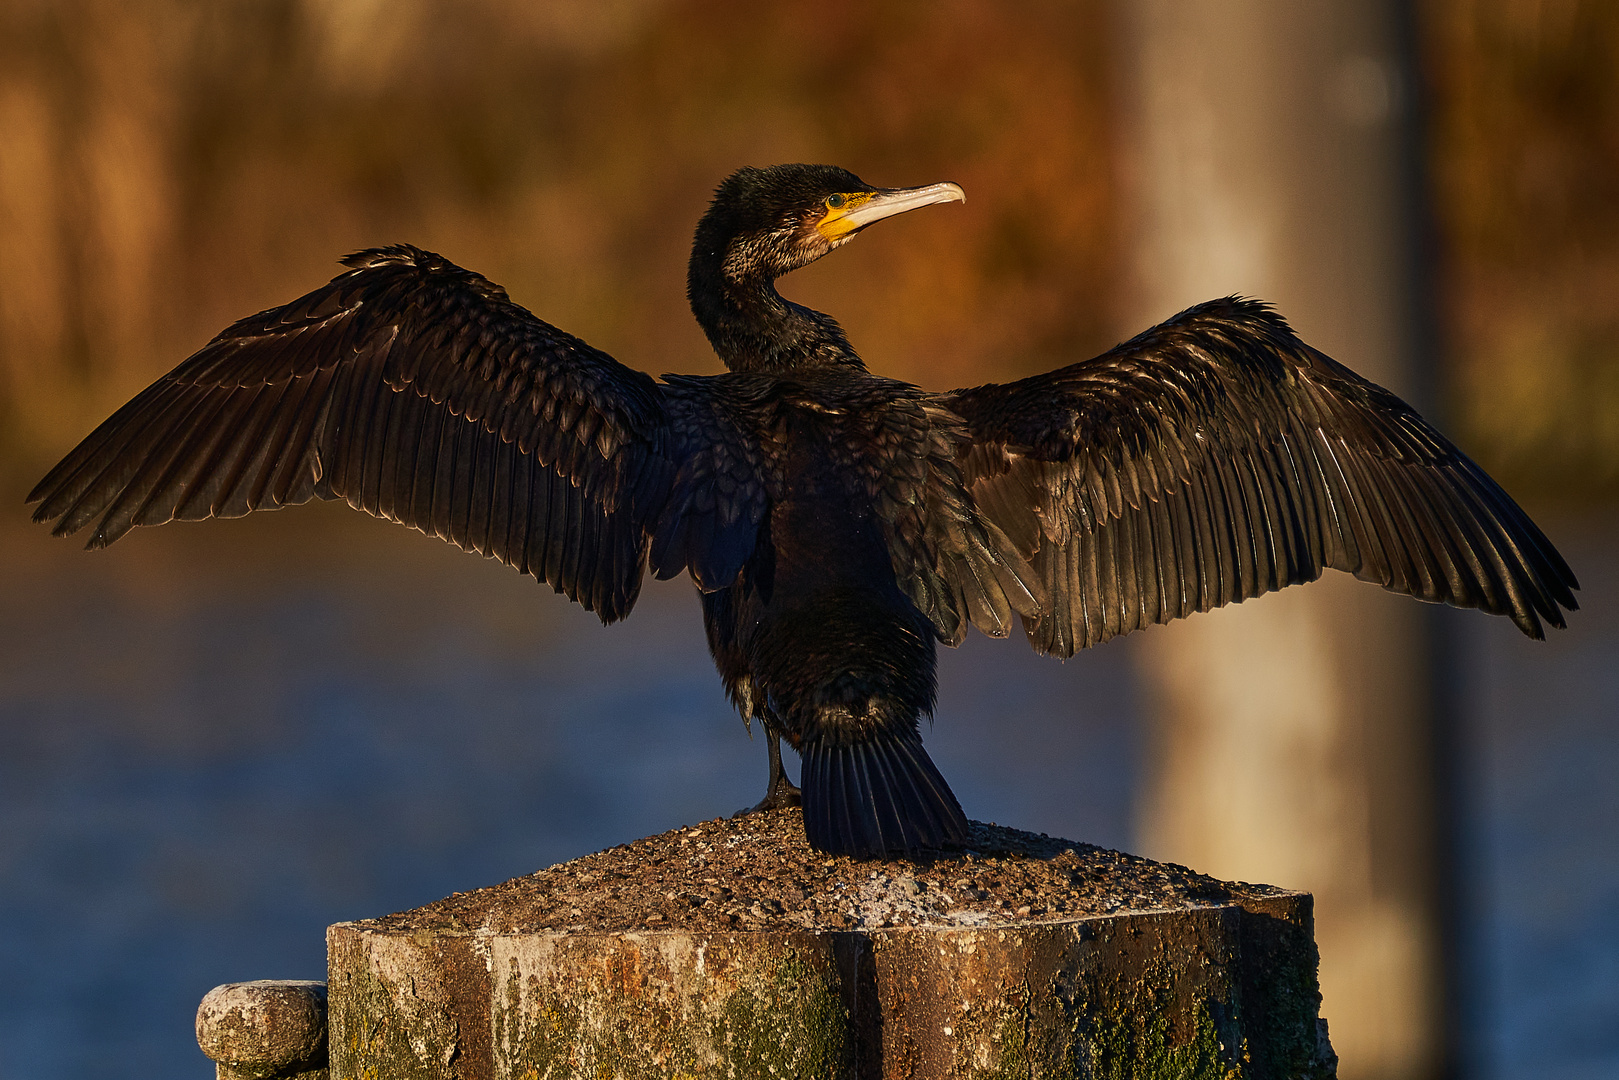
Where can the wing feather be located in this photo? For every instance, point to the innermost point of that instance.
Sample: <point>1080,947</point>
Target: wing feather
<point>1216,458</point>
<point>413,390</point>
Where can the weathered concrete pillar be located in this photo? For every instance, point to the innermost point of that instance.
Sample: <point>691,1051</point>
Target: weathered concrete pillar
<point>265,1030</point>
<point>731,949</point>
<point>1270,153</point>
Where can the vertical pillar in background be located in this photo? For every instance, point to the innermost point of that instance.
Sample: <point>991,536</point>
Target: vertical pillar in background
<point>1268,152</point>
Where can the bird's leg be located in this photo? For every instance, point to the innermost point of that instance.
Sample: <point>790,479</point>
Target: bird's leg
<point>782,792</point>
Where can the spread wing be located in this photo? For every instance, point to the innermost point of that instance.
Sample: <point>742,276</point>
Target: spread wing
<point>1216,457</point>
<point>414,390</point>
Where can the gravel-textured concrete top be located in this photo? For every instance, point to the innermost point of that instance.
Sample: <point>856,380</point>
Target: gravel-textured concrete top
<point>757,873</point>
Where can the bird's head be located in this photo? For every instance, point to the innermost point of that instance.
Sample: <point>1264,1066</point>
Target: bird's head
<point>764,223</point>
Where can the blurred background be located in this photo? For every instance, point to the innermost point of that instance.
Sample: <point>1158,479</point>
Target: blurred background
<point>215,740</point>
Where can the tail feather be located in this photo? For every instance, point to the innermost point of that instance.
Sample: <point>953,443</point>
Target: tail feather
<point>877,797</point>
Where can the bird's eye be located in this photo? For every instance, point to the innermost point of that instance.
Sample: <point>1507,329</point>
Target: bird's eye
<point>834,202</point>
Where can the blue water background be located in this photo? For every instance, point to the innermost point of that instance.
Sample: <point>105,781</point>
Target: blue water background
<point>217,740</point>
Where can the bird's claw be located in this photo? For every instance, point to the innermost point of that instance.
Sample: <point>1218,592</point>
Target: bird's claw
<point>783,793</point>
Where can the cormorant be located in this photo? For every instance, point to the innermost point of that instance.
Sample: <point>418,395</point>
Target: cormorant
<point>836,523</point>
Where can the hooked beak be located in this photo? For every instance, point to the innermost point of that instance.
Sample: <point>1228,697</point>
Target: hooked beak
<point>864,208</point>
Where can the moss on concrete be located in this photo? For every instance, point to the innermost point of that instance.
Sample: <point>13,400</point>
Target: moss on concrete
<point>1281,997</point>
<point>1136,1044</point>
<point>389,1016</point>
<point>1006,1026</point>
<point>746,1010</point>
<point>793,1024</point>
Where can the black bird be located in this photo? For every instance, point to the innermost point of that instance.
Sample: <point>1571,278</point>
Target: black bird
<point>836,523</point>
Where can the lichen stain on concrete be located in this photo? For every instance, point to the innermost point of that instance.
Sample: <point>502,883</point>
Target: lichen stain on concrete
<point>1061,1001</point>
<point>629,1006</point>
<point>388,1007</point>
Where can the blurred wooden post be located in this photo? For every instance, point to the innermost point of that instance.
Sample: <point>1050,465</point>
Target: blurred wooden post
<point>1269,151</point>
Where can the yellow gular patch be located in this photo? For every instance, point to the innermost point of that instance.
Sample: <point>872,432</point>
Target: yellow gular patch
<point>833,225</point>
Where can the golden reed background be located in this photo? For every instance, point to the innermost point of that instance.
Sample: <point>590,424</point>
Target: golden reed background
<point>168,166</point>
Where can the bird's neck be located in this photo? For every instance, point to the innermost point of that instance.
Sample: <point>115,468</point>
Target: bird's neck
<point>753,328</point>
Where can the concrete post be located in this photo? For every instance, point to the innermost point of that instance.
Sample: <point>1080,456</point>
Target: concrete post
<point>265,1030</point>
<point>1268,152</point>
<point>731,950</point>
